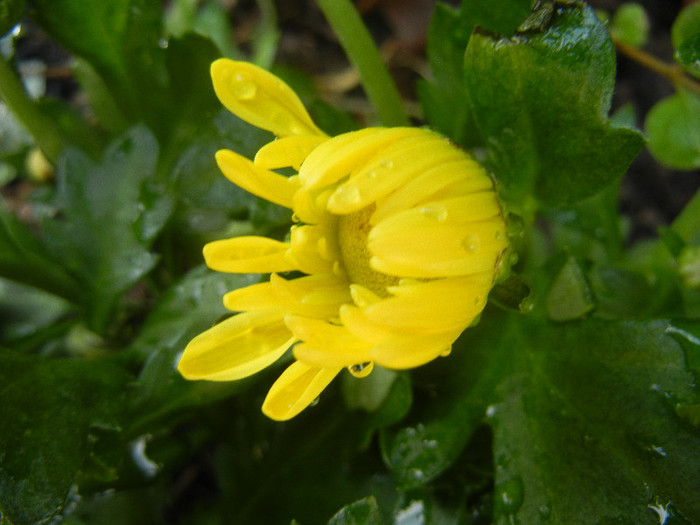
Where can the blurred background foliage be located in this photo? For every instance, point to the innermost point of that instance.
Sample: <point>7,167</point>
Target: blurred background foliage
<point>575,398</point>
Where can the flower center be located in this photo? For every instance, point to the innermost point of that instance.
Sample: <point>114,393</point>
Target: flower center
<point>353,229</point>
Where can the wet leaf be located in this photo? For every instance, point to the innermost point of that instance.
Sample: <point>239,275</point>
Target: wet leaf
<point>51,412</point>
<point>554,80</point>
<point>362,512</point>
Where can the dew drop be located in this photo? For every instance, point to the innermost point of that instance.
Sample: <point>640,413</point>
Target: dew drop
<point>163,43</point>
<point>314,402</point>
<point>347,195</point>
<point>447,351</point>
<point>361,369</point>
<point>387,163</point>
<point>243,87</point>
<point>437,212</point>
<point>471,243</point>
<point>513,259</point>
<point>498,235</point>
<point>371,175</point>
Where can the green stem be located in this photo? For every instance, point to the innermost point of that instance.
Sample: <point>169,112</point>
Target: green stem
<point>687,224</point>
<point>45,131</point>
<point>363,54</point>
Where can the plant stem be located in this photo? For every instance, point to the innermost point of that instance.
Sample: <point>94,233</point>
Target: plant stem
<point>364,56</point>
<point>687,224</point>
<point>45,131</point>
<point>671,71</point>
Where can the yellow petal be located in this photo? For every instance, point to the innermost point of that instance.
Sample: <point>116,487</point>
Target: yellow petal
<point>237,347</point>
<point>297,387</point>
<point>390,168</point>
<point>454,178</point>
<point>307,249</point>
<point>324,344</point>
<point>285,152</point>
<point>440,239</point>
<point>434,306</point>
<point>261,98</point>
<point>319,296</point>
<point>247,255</point>
<point>253,297</point>
<point>403,352</point>
<point>337,157</point>
<point>256,180</point>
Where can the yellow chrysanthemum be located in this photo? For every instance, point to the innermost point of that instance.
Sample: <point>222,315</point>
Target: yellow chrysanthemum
<point>398,233</point>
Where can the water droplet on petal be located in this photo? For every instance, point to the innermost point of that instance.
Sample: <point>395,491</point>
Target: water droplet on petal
<point>347,195</point>
<point>315,402</point>
<point>437,212</point>
<point>243,87</point>
<point>387,163</point>
<point>361,369</point>
<point>471,243</point>
<point>447,351</point>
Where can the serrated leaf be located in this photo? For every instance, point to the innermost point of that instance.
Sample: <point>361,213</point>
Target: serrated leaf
<point>673,127</point>
<point>362,512</point>
<point>49,410</point>
<point>100,235</point>
<point>543,112</point>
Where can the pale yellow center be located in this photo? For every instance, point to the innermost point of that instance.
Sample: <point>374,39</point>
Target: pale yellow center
<point>353,229</point>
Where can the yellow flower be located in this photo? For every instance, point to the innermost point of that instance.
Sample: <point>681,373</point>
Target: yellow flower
<point>398,234</point>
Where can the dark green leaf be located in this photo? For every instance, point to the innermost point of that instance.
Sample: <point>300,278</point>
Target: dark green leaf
<point>120,39</point>
<point>51,411</point>
<point>543,112</point>
<point>444,98</point>
<point>362,512</point>
<point>24,259</point>
<point>105,223</point>
<point>673,126</point>
<point>586,430</point>
<point>570,296</point>
<point>437,430</point>
<point>689,54</point>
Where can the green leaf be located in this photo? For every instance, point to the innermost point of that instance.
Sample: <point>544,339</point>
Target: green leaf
<point>689,54</point>
<point>543,112</point>
<point>444,98</point>
<point>362,512</point>
<point>11,12</point>
<point>52,413</point>
<point>120,40</point>
<point>570,296</point>
<point>673,127</point>
<point>630,24</point>
<point>686,25</point>
<point>586,429</point>
<point>24,259</point>
<point>107,221</point>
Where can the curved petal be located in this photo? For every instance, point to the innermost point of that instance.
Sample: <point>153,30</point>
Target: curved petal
<point>318,296</point>
<point>390,168</point>
<point>261,98</point>
<point>287,151</point>
<point>336,158</point>
<point>308,250</point>
<point>258,296</point>
<point>297,387</point>
<point>325,344</point>
<point>404,352</point>
<point>248,254</point>
<point>237,347</point>
<point>256,180</point>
